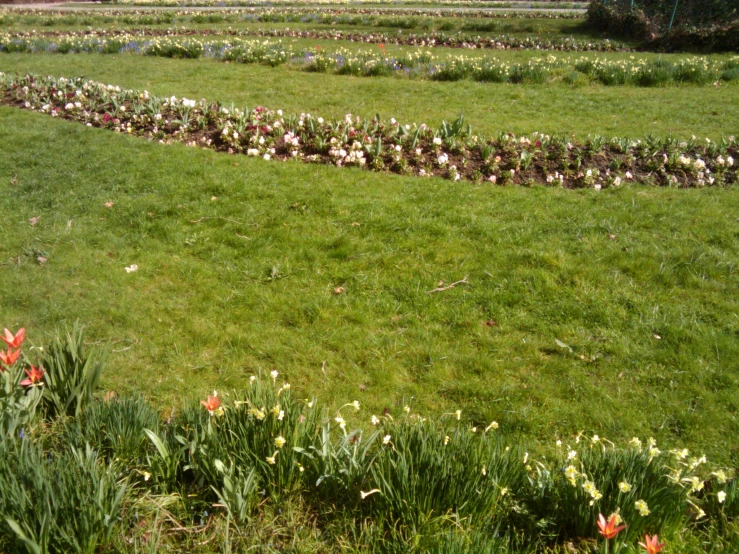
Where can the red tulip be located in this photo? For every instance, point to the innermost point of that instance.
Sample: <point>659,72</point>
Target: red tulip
<point>651,544</point>
<point>14,341</point>
<point>609,529</point>
<point>34,377</point>
<point>212,404</point>
<point>9,357</point>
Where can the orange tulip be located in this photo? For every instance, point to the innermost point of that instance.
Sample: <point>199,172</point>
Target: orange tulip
<point>14,341</point>
<point>34,377</point>
<point>609,529</point>
<point>212,403</point>
<point>651,544</point>
<point>9,357</point>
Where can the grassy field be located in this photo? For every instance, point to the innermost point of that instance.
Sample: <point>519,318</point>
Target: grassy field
<point>248,286</point>
<point>630,111</point>
<point>610,312</point>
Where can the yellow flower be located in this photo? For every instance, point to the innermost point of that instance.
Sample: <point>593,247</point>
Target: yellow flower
<point>280,442</point>
<point>446,440</point>
<point>696,484</point>
<point>493,425</point>
<point>458,413</point>
<point>272,460</point>
<point>720,476</point>
<point>623,486</point>
<point>642,508</point>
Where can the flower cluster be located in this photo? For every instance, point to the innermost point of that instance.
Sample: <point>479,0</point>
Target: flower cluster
<point>451,151</point>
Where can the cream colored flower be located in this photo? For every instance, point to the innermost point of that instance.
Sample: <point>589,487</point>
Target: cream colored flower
<point>280,441</point>
<point>375,420</point>
<point>366,494</point>
<point>386,439</point>
<point>623,486</point>
<point>642,508</point>
<point>721,496</point>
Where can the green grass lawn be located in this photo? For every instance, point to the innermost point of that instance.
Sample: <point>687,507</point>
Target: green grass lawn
<point>554,108</point>
<point>238,260</point>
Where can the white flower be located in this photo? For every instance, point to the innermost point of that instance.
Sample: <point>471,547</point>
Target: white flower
<point>267,157</point>
<point>355,405</point>
<point>386,439</point>
<point>642,508</point>
<point>493,425</point>
<point>280,442</point>
<point>375,420</point>
<point>446,440</point>
<point>366,494</point>
<point>273,374</point>
<point>437,141</point>
<point>571,455</point>
<point>131,268</point>
<point>623,486</point>
<point>721,496</point>
<point>458,413</point>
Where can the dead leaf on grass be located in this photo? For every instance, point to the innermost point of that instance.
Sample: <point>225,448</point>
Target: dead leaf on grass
<point>339,290</point>
<point>108,204</point>
<point>41,260</point>
<point>34,220</point>
<point>490,323</point>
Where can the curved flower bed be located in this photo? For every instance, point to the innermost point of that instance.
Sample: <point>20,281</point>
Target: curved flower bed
<point>345,15</point>
<point>546,4</point>
<point>452,151</point>
<point>430,40</point>
<point>419,64</point>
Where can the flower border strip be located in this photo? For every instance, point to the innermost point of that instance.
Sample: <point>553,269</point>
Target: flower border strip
<point>452,151</point>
